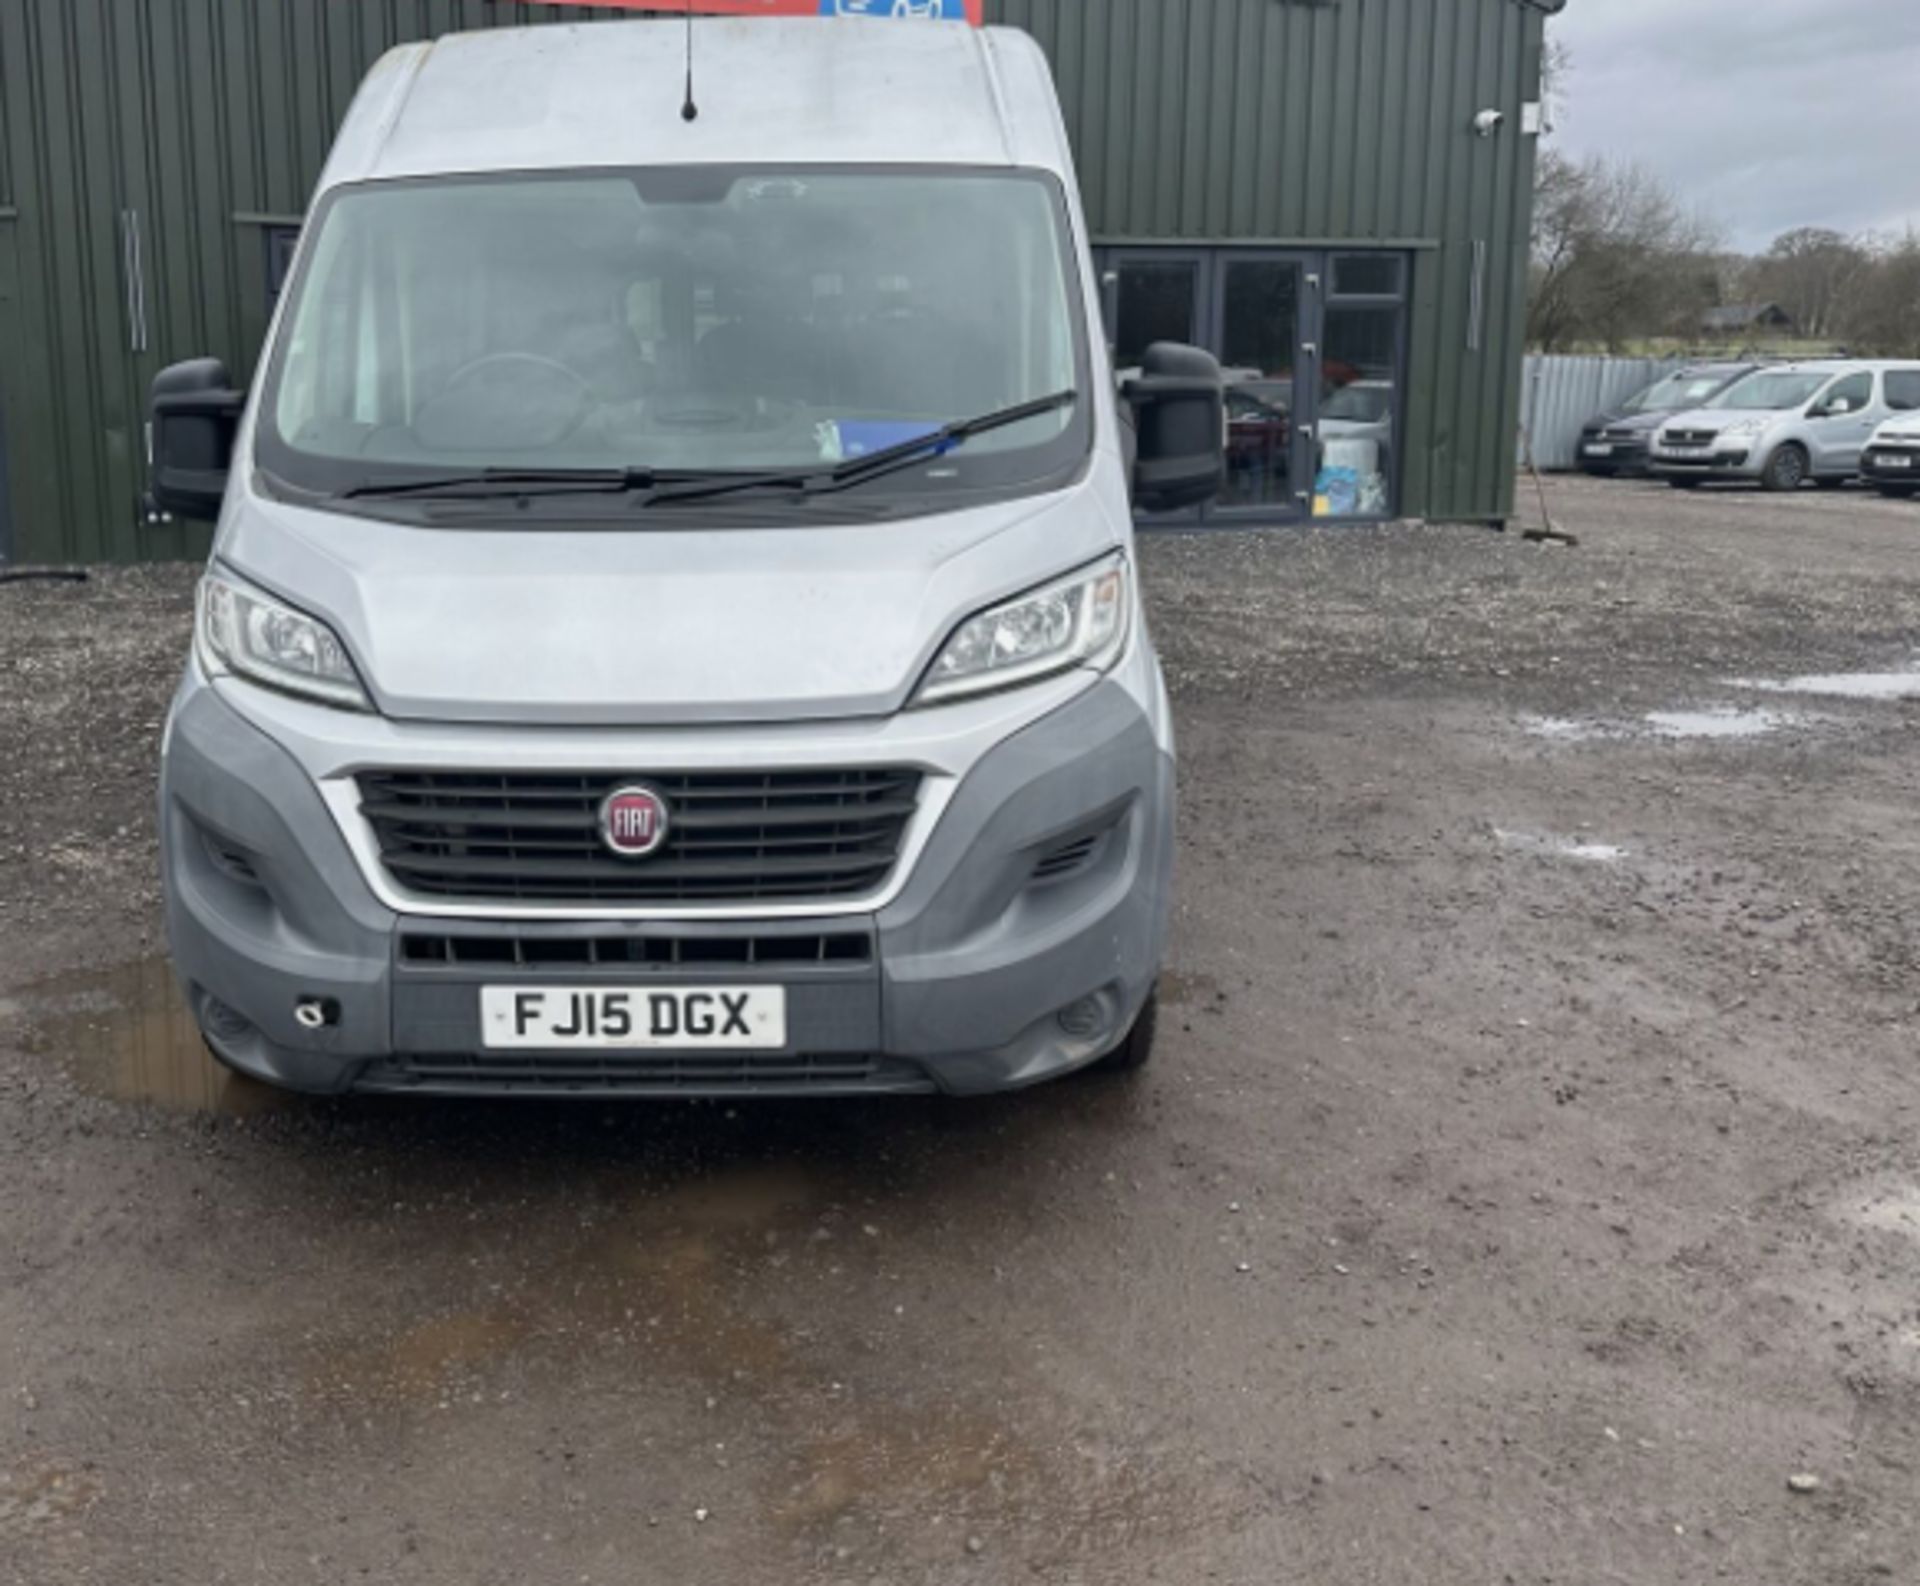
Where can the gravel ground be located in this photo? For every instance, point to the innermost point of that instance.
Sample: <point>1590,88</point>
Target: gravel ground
<point>1526,1190</point>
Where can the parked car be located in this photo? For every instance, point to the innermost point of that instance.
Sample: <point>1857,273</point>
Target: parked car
<point>1620,440</point>
<point>673,627</point>
<point>1259,440</point>
<point>1780,427</point>
<point>1891,462</point>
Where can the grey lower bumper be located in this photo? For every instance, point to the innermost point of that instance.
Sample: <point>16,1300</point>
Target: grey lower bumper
<point>1731,463</point>
<point>957,985</point>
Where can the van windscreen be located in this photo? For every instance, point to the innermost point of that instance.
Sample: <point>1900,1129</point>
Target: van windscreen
<point>701,320</point>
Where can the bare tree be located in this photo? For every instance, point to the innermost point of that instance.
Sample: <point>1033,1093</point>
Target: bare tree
<point>1556,68</point>
<point>1809,273</point>
<point>1880,313</point>
<point>1615,257</point>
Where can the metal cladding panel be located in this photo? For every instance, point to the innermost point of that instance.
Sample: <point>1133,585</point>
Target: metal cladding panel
<point>1330,121</point>
<point>191,123</point>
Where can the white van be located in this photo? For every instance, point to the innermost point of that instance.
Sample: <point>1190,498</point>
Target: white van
<point>1891,462</point>
<point>1781,427</point>
<point>673,625</point>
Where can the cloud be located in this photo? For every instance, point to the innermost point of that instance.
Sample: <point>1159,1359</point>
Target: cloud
<point>1763,115</point>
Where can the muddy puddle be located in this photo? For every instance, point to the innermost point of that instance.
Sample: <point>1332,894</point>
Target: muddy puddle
<point>125,1033</point>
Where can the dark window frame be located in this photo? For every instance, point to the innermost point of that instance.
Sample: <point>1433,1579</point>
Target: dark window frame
<point>1317,299</point>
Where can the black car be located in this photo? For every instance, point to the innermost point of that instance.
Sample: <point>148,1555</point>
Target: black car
<point>1618,441</point>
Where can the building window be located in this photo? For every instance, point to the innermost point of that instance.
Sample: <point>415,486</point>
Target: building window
<point>1368,274</point>
<point>1158,301</point>
<point>280,244</point>
<point>1311,344</point>
<point>1359,396</point>
<point>1259,348</point>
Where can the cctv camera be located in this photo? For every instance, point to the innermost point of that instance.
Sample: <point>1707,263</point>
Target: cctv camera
<point>1489,122</point>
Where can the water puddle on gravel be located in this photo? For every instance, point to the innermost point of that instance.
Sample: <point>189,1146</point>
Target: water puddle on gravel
<point>1713,722</point>
<point>1842,685</point>
<point>1567,729</point>
<point>1723,722</point>
<point>1562,847</point>
<point>125,1033</point>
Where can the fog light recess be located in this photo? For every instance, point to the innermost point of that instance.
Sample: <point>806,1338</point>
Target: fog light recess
<point>1086,1018</point>
<point>223,1022</point>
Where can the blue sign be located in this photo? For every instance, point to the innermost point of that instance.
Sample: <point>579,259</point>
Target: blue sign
<point>927,10</point>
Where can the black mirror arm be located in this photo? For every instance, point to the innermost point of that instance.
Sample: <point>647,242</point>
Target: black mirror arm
<point>1145,389</point>
<point>224,405</point>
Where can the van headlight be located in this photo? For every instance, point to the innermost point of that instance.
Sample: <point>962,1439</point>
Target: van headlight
<point>1081,620</point>
<point>253,635</point>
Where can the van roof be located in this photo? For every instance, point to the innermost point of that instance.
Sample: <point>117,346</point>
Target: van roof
<point>770,90</point>
<point>1837,365</point>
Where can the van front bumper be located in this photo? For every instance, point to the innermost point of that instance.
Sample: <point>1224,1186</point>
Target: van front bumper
<point>974,975</point>
<point>1895,464</point>
<point>1725,462</point>
<point>1607,456</point>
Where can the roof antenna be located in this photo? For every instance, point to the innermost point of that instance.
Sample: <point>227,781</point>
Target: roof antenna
<point>689,111</point>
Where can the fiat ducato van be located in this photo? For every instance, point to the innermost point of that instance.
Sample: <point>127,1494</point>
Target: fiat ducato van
<point>672,625</point>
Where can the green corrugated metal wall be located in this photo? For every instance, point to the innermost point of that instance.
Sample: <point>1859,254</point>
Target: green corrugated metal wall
<point>1203,120</point>
<point>1348,120</point>
<point>200,118</point>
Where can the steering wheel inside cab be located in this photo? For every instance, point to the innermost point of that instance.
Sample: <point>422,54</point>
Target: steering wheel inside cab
<point>519,400</point>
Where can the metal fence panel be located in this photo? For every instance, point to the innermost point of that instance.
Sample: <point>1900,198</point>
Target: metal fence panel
<point>1560,394</point>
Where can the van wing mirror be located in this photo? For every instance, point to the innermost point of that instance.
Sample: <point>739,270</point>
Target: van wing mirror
<point>192,414</point>
<point>1181,403</point>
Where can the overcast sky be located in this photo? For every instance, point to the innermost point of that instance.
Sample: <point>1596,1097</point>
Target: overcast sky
<point>1762,114</point>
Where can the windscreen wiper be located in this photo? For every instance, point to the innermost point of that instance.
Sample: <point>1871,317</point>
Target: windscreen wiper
<point>860,470</point>
<point>487,483</point>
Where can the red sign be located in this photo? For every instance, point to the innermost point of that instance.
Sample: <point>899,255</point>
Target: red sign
<point>900,10</point>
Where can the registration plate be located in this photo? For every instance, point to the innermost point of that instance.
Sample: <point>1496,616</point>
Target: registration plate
<point>1892,460</point>
<point>632,1019</point>
<point>1599,451</point>
<point>1686,453</point>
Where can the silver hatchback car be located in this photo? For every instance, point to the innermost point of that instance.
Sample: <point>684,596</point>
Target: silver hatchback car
<point>1780,427</point>
<point>673,625</point>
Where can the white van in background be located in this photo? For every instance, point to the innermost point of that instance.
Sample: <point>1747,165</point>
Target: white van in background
<point>1781,427</point>
<point>1891,462</point>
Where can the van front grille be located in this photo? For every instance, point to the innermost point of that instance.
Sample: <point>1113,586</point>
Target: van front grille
<point>436,950</point>
<point>782,836</point>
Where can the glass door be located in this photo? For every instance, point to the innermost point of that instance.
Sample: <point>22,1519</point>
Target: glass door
<point>1265,319</point>
<point>1149,297</point>
<point>1313,347</point>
